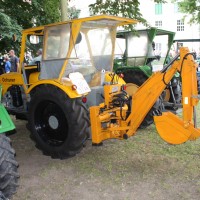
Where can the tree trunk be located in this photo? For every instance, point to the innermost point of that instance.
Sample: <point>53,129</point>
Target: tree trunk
<point>64,6</point>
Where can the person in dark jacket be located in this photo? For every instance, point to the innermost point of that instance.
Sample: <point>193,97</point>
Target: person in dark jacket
<point>14,60</point>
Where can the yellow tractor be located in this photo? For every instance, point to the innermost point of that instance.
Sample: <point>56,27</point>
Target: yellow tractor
<point>75,74</point>
<point>51,93</point>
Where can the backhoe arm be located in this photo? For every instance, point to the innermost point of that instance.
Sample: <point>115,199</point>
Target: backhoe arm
<point>109,120</point>
<point>171,128</point>
<point>150,91</point>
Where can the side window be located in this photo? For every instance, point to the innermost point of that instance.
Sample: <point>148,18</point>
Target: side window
<point>56,42</point>
<point>33,44</point>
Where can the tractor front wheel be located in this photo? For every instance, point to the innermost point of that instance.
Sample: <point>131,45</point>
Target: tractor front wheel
<point>57,123</point>
<point>8,169</point>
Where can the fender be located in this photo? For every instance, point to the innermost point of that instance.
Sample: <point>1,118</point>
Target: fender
<point>55,82</point>
<point>13,78</point>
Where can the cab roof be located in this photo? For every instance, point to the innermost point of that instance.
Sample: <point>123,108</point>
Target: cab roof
<point>102,19</point>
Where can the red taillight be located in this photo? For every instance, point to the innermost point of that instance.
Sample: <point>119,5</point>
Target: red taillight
<point>121,75</point>
<point>74,87</point>
<point>84,99</point>
<point>123,87</point>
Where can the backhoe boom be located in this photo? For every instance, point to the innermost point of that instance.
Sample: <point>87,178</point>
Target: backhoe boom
<point>170,127</point>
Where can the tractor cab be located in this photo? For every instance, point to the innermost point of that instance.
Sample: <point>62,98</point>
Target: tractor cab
<point>80,45</point>
<point>149,47</point>
<point>140,54</point>
<point>85,46</point>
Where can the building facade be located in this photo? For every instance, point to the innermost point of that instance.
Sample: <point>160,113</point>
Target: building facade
<point>168,17</point>
<point>164,16</point>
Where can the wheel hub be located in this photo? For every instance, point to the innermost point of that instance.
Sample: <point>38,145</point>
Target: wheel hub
<point>53,122</point>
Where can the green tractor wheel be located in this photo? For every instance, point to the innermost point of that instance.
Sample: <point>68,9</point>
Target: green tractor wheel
<point>8,169</point>
<point>58,124</point>
<point>176,88</point>
<point>138,78</point>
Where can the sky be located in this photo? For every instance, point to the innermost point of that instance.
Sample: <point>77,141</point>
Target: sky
<point>82,5</point>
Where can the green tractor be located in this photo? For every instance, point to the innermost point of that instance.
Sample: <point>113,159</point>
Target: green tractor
<point>138,55</point>
<point>8,165</point>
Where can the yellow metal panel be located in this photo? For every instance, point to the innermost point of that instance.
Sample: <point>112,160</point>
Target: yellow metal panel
<point>34,77</point>
<point>67,89</point>
<point>13,78</point>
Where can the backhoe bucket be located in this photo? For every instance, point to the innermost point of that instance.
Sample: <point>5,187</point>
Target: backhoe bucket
<point>173,130</point>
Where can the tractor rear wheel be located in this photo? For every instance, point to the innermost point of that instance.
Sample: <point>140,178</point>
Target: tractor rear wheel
<point>138,78</point>
<point>176,88</point>
<point>58,124</point>
<point>8,169</point>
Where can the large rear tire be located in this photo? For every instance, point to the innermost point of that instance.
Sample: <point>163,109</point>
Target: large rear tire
<point>176,88</point>
<point>8,169</point>
<point>138,78</point>
<point>58,124</point>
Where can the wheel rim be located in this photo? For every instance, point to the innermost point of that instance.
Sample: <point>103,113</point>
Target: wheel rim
<point>131,88</point>
<point>50,123</point>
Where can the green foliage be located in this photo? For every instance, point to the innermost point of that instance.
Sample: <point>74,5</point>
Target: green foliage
<point>17,15</point>
<point>191,7</point>
<point>50,10</point>
<point>36,13</point>
<point>125,8</point>
<point>73,13</point>
<point>8,28</point>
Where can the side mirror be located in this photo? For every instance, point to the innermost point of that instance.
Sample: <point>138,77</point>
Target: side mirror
<point>34,39</point>
<point>79,38</point>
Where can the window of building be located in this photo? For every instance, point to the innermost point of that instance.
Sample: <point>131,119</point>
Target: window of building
<point>176,8</point>
<point>158,23</point>
<point>180,25</point>
<point>158,47</point>
<point>158,8</point>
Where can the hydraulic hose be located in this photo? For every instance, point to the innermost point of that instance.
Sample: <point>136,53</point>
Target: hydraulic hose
<point>170,63</point>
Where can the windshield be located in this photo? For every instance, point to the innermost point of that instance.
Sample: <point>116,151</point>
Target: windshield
<point>161,50</point>
<point>92,52</point>
<point>137,48</point>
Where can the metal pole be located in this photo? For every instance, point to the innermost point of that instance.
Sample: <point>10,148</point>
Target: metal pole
<point>195,117</point>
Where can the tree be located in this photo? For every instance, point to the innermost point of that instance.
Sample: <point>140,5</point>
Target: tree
<point>130,8</point>
<point>73,12</point>
<point>16,15</point>
<point>28,14</point>
<point>125,8</point>
<point>191,7</point>
<point>9,30</point>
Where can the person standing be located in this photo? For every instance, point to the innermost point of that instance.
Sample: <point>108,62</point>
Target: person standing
<point>7,64</point>
<point>14,60</point>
